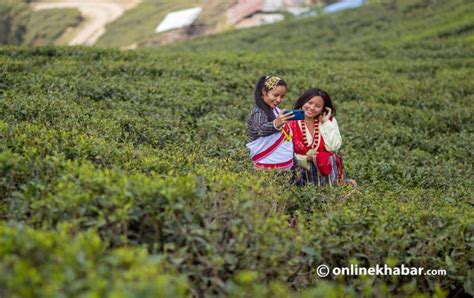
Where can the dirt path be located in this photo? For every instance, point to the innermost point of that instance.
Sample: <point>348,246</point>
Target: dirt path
<point>97,14</point>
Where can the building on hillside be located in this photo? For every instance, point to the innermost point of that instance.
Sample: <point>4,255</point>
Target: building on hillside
<point>178,25</point>
<point>179,19</point>
<point>260,19</point>
<point>249,13</point>
<point>297,7</point>
<point>343,5</point>
<point>243,9</point>
<point>272,6</point>
<point>184,24</point>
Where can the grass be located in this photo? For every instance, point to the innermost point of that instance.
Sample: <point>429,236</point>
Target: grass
<point>374,28</point>
<point>47,27</point>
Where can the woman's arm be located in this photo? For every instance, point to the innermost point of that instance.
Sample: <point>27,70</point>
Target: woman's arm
<point>330,133</point>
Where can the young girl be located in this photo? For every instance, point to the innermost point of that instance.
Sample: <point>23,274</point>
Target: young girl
<point>269,137</point>
<point>316,140</point>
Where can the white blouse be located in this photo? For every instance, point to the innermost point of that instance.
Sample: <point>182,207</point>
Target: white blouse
<point>329,130</point>
<point>331,135</point>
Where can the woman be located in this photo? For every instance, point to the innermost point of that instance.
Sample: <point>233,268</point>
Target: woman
<point>269,137</point>
<point>316,140</point>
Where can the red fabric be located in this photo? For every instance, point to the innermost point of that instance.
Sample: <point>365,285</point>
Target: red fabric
<point>284,165</point>
<point>298,144</point>
<point>322,159</point>
<point>323,162</point>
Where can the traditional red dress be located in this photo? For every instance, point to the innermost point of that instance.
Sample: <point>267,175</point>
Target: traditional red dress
<point>326,166</point>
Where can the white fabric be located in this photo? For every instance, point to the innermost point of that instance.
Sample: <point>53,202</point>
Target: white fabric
<point>302,161</point>
<point>283,153</point>
<point>331,135</point>
<point>309,136</point>
<point>276,111</point>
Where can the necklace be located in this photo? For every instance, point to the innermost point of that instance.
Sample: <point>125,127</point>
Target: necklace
<point>315,142</point>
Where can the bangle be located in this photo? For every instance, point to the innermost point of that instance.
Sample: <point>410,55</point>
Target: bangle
<point>274,125</point>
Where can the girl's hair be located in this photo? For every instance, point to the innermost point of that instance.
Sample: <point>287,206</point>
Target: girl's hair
<point>259,88</point>
<point>310,93</point>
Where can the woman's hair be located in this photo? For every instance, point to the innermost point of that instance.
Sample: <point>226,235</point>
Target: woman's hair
<point>310,93</point>
<point>267,83</point>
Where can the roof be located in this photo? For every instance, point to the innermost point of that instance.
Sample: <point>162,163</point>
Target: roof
<point>178,19</point>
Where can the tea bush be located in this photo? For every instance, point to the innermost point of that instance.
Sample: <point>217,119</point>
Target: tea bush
<point>66,263</point>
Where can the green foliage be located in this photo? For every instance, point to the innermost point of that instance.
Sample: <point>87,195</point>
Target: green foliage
<point>128,170</point>
<point>65,263</point>
<point>47,26</point>
<point>14,16</point>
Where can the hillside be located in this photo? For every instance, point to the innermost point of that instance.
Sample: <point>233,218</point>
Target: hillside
<point>137,26</point>
<point>377,30</point>
<point>125,173</point>
<point>49,27</point>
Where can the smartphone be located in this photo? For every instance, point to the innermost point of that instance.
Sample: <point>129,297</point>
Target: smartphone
<point>297,114</point>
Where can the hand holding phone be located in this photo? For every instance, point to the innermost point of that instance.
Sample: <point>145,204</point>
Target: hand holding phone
<point>297,114</point>
<point>282,118</point>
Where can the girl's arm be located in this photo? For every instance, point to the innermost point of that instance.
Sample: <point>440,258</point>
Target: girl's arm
<point>330,132</point>
<point>258,121</point>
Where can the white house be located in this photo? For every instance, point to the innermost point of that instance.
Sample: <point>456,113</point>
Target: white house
<point>179,19</point>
